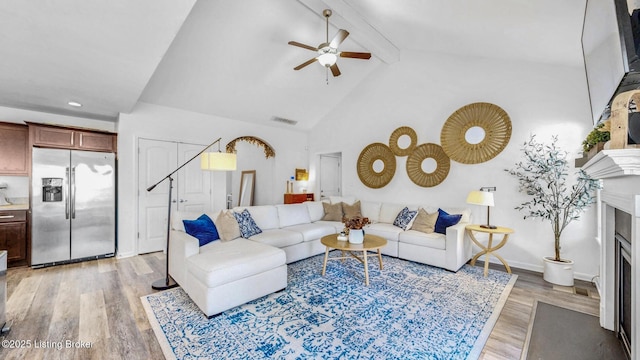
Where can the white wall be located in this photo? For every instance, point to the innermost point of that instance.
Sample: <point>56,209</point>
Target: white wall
<point>422,91</point>
<point>161,123</point>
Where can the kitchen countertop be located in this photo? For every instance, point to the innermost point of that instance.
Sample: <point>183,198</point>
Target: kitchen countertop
<point>14,207</point>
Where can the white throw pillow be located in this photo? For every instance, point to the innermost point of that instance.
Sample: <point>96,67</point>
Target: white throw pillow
<point>316,211</point>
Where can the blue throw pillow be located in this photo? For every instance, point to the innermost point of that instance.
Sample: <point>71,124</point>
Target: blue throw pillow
<point>202,228</point>
<point>445,220</point>
<point>404,218</point>
<point>248,226</point>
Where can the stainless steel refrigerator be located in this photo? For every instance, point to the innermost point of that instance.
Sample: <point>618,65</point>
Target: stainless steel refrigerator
<point>73,206</point>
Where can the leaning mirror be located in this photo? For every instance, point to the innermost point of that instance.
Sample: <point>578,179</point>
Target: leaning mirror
<point>247,184</point>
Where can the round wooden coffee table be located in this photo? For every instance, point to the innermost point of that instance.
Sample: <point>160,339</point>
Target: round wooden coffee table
<point>370,242</point>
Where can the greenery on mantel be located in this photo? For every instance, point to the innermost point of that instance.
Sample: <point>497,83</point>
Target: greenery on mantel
<point>543,176</point>
<point>600,134</point>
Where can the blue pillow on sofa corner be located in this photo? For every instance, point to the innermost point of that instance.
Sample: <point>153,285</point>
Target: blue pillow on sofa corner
<point>202,228</point>
<point>445,220</point>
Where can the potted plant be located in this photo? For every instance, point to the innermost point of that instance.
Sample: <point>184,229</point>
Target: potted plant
<point>543,176</point>
<point>595,140</point>
<point>354,226</point>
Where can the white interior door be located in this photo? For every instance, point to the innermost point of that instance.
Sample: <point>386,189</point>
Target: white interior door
<point>330,175</point>
<point>191,188</point>
<point>194,184</point>
<point>156,159</point>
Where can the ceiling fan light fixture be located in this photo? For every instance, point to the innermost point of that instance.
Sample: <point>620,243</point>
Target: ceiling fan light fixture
<point>327,59</point>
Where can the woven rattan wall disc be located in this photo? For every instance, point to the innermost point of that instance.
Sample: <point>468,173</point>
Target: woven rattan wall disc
<point>491,118</point>
<point>395,136</point>
<point>414,165</point>
<point>369,155</point>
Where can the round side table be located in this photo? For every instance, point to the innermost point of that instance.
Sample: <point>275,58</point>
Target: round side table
<point>489,249</point>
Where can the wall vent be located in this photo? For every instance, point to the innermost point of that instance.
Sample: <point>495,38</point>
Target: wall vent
<point>283,120</point>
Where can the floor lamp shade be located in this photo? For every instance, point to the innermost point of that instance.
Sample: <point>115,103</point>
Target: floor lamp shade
<point>218,161</point>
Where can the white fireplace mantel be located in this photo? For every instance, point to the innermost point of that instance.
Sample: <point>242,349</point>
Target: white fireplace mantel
<point>614,163</point>
<point>619,171</point>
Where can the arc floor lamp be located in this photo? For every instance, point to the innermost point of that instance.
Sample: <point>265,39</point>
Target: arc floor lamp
<point>215,161</point>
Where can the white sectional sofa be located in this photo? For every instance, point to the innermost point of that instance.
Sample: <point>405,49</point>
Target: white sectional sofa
<point>221,275</point>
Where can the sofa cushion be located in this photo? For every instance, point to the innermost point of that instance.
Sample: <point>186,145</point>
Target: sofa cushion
<point>371,210</point>
<point>351,211</point>
<point>425,222</point>
<point>337,225</point>
<point>278,237</point>
<point>202,229</point>
<point>332,212</point>
<point>316,210</point>
<point>387,231</point>
<point>388,212</point>
<point>227,226</point>
<point>312,231</point>
<point>403,218</point>
<point>432,240</point>
<point>445,220</point>
<point>265,216</point>
<point>293,214</point>
<point>220,263</point>
<point>247,225</point>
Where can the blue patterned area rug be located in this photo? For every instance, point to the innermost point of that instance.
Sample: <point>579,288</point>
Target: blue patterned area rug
<point>409,311</point>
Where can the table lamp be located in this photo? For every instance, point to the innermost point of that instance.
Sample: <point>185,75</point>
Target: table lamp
<point>484,197</point>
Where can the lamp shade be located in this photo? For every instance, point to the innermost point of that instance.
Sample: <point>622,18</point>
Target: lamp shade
<point>477,197</point>
<point>218,161</point>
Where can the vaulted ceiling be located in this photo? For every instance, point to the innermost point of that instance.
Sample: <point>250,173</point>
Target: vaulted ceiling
<point>231,58</point>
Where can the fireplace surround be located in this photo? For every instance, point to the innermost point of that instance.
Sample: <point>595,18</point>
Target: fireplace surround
<point>619,171</point>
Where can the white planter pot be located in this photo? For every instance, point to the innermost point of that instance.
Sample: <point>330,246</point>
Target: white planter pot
<point>356,236</point>
<point>558,272</point>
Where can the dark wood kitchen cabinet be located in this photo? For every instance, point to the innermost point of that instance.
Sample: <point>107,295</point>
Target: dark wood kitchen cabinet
<point>72,138</point>
<point>13,236</point>
<point>14,149</point>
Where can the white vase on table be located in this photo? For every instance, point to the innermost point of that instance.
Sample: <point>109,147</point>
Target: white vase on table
<point>356,236</point>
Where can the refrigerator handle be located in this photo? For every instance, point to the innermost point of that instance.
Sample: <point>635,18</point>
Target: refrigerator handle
<point>73,192</point>
<point>66,201</point>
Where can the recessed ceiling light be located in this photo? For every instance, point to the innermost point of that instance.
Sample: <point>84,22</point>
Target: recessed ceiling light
<point>74,103</point>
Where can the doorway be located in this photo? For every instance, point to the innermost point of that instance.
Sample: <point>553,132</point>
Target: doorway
<point>191,188</point>
<point>330,171</point>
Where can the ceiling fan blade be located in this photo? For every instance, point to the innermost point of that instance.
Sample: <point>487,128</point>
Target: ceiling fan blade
<point>334,70</point>
<point>339,38</point>
<point>355,55</point>
<point>310,61</point>
<point>308,47</point>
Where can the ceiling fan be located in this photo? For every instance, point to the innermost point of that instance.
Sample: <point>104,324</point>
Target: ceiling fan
<point>328,51</point>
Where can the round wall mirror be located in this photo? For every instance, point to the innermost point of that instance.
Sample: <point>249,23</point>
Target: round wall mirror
<point>378,166</point>
<point>474,135</point>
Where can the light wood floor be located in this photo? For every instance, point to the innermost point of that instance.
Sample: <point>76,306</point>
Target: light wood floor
<point>99,302</point>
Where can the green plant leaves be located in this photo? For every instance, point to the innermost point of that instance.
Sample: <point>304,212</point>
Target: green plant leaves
<point>543,176</point>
